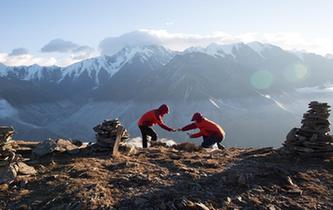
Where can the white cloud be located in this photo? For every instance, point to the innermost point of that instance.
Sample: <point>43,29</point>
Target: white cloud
<point>111,45</point>
<point>22,57</point>
<point>181,41</point>
<point>67,52</point>
<point>292,41</point>
<point>55,59</point>
<point>288,41</point>
<point>26,60</point>
<point>59,45</point>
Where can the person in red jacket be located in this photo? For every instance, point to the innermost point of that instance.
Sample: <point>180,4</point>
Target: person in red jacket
<point>210,131</point>
<point>150,118</point>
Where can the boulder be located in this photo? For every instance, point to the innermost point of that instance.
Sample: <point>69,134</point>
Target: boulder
<point>44,148</point>
<point>50,146</point>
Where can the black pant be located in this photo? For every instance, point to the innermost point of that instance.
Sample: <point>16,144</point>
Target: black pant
<point>209,141</point>
<point>147,131</point>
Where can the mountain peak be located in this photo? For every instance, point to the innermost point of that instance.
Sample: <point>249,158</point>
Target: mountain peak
<point>112,64</point>
<point>217,50</point>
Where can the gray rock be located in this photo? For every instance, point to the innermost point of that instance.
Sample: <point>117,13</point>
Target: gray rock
<point>50,146</point>
<point>44,148</point>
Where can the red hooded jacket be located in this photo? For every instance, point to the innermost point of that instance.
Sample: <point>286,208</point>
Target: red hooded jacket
<point>153,117</point>
<point>206,127</point>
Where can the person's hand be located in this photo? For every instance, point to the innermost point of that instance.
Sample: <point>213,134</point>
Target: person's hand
<point>179,129</point>
<point>173,130</point>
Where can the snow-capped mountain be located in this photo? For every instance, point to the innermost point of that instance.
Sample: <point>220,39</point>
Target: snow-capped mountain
<point>109,65</point>
<point>218,50</point>
<point>232,84</point>
<point>93,67</point>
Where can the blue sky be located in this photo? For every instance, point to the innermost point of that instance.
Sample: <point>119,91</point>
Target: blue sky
<point>31,24</point>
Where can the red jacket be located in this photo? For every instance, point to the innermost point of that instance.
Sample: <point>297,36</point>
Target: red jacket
<point>151,118</point>
<point>206,127</point>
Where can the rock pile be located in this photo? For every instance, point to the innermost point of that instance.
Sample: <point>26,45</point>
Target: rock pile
<point>107,133</point>
<point>11,164</point>
<point>7,156</point>
<point>313,138</point>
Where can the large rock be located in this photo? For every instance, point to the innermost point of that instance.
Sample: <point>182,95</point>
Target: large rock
<point>50,146</point>
<point>64,145</point>
<point>44,148</point>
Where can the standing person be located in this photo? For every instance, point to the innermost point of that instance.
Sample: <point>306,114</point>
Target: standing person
<point>150,118</point>
<point>210,131</point>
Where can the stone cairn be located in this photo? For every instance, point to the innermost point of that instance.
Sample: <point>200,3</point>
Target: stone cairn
<point>6,152</point>
<point>313,138</point>
<point>107,133</point>
<point>8,171</point>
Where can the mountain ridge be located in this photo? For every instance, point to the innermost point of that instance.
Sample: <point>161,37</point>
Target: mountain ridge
<point>188,82</point>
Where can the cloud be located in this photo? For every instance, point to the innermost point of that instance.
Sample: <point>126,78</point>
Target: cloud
<point>111,45</point>
<point>175,41</point>
<point>18,51</point>
<point>74,51</point>
<point>56,55</point>
<point>26,60</point>
<point>82,52</point>
<point>42,60</point>
<point>60,46</point>
<point>181,41</point>
<point>292,41</point>
<point>68,52</point>
<point>62,53</point>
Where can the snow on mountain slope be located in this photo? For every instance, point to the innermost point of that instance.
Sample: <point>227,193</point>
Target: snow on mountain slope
<point>259,47</point>
<point>33,72</point>
<point>28,73</point>
<point>112,64</point>
<point>223,50</point>
<point>93,66</point>
<point>214,49</point>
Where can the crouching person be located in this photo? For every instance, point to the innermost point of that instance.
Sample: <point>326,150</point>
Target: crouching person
<point>150,118</point>
<point>210,131</point>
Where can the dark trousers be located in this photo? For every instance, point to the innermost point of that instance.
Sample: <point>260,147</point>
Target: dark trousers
<point>147,131</point>
<point>209,141</point>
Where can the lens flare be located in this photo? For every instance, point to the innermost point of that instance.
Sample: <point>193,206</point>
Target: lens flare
<point>296,72</point>
<point>262,80</point>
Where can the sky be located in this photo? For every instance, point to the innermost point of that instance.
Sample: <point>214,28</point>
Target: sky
<point>62,32</point>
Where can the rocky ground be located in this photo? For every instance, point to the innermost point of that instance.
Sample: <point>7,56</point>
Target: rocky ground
<point>169,178</point>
